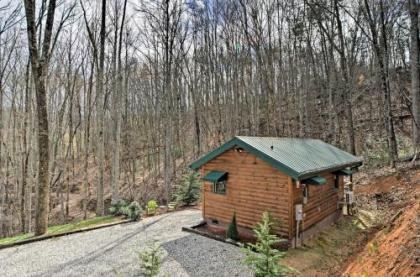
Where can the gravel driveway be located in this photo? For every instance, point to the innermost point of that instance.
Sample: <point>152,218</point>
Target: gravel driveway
<point>113,251</point>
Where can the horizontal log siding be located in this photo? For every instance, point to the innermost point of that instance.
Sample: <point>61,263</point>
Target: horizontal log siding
<point>322,202</point>
<point>253,187</point>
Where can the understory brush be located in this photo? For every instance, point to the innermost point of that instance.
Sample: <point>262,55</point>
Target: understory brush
<point>131,210</point>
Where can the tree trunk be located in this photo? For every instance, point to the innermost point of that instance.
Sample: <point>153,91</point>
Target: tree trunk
<point>415,71</point>
<point>381,52</point>
<point>118,95</point>
<point>41,219</point>
<point>88,100</point>
<point>101,114</point>
<point>25,155</point>
<point>384,68</point>
<point>39,65</point>
<point>347,91</point>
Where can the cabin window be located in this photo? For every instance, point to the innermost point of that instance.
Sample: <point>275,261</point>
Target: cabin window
<point>337,181</point>
<point>342,172</point>
<point>219,187</point>
<point>305,194</point>
<point>218,178</point>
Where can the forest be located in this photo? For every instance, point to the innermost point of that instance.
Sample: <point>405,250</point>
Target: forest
<point>104,100</point>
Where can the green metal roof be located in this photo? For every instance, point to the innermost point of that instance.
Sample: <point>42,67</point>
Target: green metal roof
<point>316,180</point>
<point>215,176</point>
<point>298,158</point>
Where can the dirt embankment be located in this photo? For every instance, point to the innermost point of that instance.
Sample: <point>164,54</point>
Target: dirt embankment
<point>379,241</point>
<point>393,250</point>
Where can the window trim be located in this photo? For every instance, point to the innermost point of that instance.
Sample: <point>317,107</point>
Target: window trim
<point>215,184</point>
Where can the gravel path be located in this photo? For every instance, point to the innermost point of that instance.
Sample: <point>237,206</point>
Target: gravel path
<point>113,251</point>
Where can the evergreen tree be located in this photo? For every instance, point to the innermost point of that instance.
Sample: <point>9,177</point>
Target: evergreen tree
<point>266,262</point>
<point>151,261</point>
<point>232,231</point>
<point>189,191</point>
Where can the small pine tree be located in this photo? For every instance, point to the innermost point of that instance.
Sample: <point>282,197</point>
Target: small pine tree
<point>116,208</point>
<point>189,191</point>
<point>265,263</point>
<point>134,211</point>
<point>130,210</point>
<point>151,261</point>
<point>232,231</point>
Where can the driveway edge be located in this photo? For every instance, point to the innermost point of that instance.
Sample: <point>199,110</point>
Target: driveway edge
<point>45,237</point>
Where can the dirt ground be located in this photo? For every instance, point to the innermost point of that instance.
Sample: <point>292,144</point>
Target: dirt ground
<point>393,250</point>
<point>379,241</point>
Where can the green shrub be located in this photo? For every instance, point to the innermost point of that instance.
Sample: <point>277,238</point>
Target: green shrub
<point>190,188</point>
<point>152,206</point>
<point>115,208</point>
<point>151,261</point>
<point>130,210</point>
<point>134,210</point>
<point>232,231</point>
<point>265,263</point>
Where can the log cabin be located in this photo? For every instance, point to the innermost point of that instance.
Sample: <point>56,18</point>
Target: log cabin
<point>299,181</point>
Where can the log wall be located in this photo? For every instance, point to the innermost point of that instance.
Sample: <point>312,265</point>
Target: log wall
<point>322,201</point>
<point>253,186</point>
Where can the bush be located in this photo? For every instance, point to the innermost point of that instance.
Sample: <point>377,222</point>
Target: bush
<point>190,188</point>
<point>265,263</point>
<point>152,206</point>
<point>151,261</point>
<point>130,210</point>
<point>133,211</point>
<point>232,231</point>
<point>115,208</point>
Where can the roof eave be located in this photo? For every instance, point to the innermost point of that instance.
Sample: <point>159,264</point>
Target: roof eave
<point>212,154</point>
<point>238,142</point>
<point>305,175</point>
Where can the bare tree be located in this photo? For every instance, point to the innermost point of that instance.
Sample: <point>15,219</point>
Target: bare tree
<point>8,40</point>
<point>117,98</point>
<point>39,65</point>
<point>415,72</point>
<point>101,114</point>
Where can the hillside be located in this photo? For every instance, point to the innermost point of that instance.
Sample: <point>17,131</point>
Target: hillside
<point>379,241</point>
<point>140,187</point>
<point>393,250</point>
